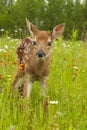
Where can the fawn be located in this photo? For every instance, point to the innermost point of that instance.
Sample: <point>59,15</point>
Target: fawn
<point>34,55</point>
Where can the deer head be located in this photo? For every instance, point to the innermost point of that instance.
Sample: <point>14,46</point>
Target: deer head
<point>42,40</point>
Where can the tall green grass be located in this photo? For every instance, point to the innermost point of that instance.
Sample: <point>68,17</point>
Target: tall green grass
<point>67,86</point>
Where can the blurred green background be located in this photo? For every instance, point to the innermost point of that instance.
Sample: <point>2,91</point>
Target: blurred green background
<point>45,14</point>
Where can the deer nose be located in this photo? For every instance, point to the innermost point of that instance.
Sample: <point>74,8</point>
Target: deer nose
<point>40,53</point>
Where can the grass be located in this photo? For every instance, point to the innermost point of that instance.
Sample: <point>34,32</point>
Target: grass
<point>67,85</point>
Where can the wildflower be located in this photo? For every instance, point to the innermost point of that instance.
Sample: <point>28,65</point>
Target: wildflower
<point>1,62</point>
<point>75,73</point>
<point>1,77</point>
<point>16,40</point>
<point>54,102</point>
<point>6,46</point>
<point>20,68</point>
<point>2,30</point>
<point>2,50</point>
<point>20,29</point>
<point>75,68</point>
<point>15,62</point>
<point>8,37</point>
<point>21,65</point>
<point>15,31</point>
<point>64,45</point>
<point>68,45</point>
<point>9,77</point>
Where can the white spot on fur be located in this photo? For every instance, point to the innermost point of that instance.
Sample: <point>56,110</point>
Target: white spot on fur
<point>23,41</point>
<point>25,44</point>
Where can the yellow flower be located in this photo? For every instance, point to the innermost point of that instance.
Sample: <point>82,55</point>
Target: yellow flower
<point>21,65</point>
<point>1,77</point>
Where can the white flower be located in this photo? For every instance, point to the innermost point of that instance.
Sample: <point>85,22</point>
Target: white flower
<point>54,102</point>
<point>16,40</point>
<point>2,30</point>
<point>8,37</point>
<point>20,29</point>
<point>6,46</point>
<point>9,76</point>
<point>68,45</point>
<point>64,45</point>
<point>75,67</point>
<point>2,50</point>
<point>15,31</point>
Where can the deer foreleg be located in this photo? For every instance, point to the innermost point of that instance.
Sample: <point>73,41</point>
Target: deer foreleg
<point>18,81</point>
<point>44,85</point>
<point>27,86</point>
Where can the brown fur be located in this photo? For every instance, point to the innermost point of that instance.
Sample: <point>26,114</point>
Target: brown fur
<point>33,56</point>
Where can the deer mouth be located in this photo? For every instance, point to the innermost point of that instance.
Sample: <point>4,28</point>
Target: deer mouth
<point>41,59</point>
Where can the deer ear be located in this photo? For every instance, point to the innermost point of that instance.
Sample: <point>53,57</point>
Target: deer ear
<point>58,30</point>
<point>32,29</point>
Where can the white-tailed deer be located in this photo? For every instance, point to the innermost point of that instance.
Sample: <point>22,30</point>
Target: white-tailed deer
<point>34,58</point>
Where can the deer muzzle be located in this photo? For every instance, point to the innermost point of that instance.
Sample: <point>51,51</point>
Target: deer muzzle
<point>40,54</point>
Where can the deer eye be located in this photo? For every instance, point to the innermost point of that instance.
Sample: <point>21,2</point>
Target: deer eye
<point>49,43</point>
<point>34,43</point>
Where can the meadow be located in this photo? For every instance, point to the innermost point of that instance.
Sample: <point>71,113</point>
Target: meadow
<point>67,91</point>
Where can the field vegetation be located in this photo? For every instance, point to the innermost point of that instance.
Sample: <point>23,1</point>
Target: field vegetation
<point>67,91</point>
